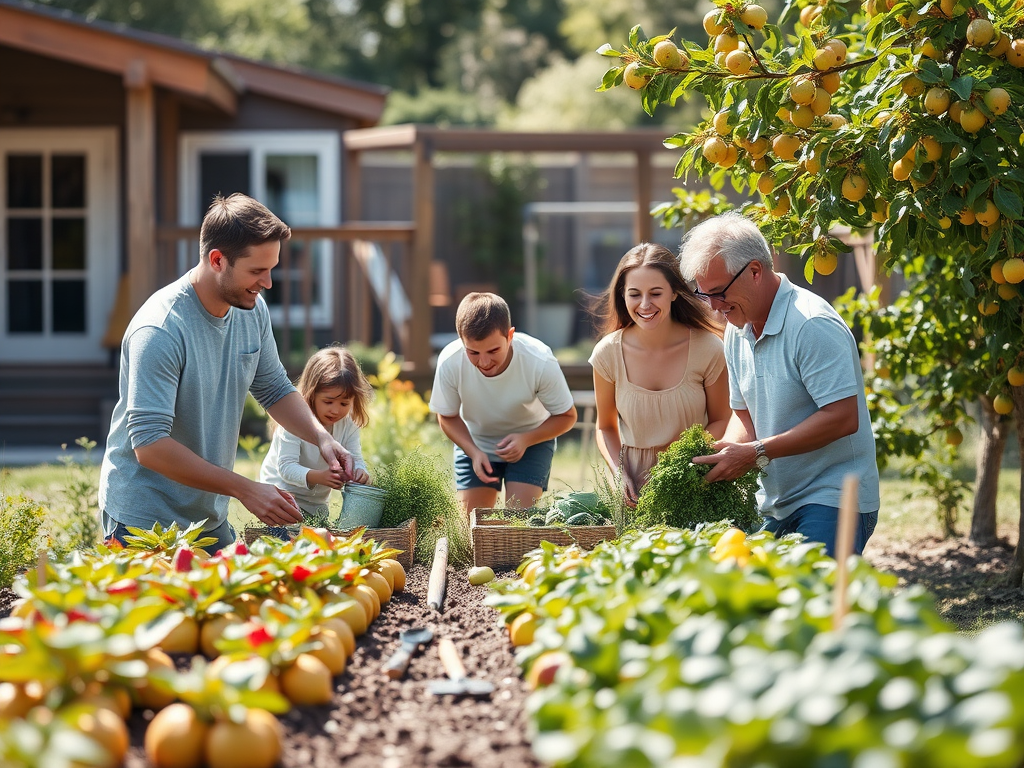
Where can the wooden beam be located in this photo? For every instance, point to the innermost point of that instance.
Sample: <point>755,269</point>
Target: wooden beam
<point>643,228</point>
<point>140,151</point>
<point>484,140</point>
<point>418,351</point>
<point>356,230</point>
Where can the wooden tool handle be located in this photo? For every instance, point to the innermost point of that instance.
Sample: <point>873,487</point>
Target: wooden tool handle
<point>438,575</point>
<point>395,667</point>
<point>450,659</point>
<point>845,527</point>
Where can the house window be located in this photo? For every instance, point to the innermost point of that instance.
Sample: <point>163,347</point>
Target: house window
<point>296,175</point>
<point>58,234</point>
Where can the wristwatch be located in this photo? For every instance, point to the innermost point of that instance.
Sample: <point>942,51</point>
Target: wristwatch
<point>760,457</point>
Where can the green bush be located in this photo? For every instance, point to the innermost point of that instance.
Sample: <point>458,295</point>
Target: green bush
<point>421,485</point>
<point>677,494</point>
<point>21,522</point>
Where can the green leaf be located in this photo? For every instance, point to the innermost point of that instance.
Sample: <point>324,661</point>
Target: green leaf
<point>963,86</point>
<point>607,50</point>
<point>612,78</point>
<point>1008,203</point>
<point>809,270</point>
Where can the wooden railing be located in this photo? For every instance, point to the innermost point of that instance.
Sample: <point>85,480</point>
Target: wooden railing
<point>350,247</point>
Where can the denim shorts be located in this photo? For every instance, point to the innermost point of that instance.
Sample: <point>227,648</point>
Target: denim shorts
<point>818,523</point>
<point>113,529</point>
<point>533,468</point>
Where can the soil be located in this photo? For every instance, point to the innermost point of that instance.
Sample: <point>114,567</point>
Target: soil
<point>374,721</point>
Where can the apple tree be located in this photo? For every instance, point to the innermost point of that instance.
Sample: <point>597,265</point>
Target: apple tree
<point>901,116</point>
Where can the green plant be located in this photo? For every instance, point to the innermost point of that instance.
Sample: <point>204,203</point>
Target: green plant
<point>677,494</point>
<point>553,289</point>
<point>399,417</point>
<point>422,486</point>
<point>254,447</point>
<point>81,490</point>
<point>21,521</point>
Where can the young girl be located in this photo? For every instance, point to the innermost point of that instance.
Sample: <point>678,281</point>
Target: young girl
<point>339,396</point>
<point>659,368</point>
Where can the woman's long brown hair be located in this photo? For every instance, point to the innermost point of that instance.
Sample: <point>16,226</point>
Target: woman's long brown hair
<point>686,308</point>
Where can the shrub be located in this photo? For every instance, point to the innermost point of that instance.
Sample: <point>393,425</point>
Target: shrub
<point>677,494</point>
<point>423,486</point>
<point>21,521</point>
<point>399,417</point>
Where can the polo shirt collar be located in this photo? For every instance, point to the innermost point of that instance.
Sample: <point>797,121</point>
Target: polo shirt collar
<point>777,314</point>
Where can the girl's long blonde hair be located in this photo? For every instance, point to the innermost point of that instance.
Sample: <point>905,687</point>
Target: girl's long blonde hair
<point>332,367</point>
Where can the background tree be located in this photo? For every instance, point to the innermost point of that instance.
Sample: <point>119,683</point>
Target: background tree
<point>900,115</point>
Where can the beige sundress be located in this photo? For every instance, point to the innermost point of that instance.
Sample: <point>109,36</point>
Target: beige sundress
<point>650,420</point>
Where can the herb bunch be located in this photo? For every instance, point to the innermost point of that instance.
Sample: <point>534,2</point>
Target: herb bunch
<point>677,494</point>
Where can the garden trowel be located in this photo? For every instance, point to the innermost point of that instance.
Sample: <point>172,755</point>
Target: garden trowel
<point>457,683</point>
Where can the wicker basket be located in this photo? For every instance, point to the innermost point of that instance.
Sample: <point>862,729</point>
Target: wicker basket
<point>500,545</point>
<point>402,537</point>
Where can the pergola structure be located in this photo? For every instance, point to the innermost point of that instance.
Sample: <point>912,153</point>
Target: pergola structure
<point>424,142</point>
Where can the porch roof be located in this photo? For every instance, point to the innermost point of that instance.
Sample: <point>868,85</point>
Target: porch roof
<point>210,76</point>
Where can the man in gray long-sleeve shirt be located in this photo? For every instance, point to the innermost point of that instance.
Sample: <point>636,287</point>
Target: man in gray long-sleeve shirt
<point>189,356</point>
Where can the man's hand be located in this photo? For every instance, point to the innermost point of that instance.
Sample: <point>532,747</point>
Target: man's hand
<point>732,460</point>
<point>271,505</point>
<point>330,478</point>
<point>512,448</point>
<point>338,459</point>
<point>482,467</point>
<point>361,476</point>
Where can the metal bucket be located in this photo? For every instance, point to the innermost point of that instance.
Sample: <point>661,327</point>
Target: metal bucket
<point>361,505</point>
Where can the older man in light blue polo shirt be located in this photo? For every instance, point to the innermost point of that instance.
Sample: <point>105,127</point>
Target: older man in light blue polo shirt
<point>795,386</point>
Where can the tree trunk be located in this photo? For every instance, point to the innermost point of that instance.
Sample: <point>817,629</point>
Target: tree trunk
<point>994,433</point>
<point>1016,574</point>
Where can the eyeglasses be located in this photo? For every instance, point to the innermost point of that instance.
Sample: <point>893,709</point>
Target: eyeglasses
<point>720,295</point>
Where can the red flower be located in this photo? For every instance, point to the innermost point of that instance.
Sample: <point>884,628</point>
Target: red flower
<point>241,549</point>
<point>76,615</point>
<point>301,573</point>
<point>349,576</point>
<point>127,587</point>
<point>183,559</point>
<point>258,637</point>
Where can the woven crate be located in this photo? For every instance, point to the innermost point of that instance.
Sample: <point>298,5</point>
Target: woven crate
<point>402,537</point>
<point>502,546</point>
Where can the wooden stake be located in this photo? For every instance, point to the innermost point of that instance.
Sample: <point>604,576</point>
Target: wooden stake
<point>845,527</point>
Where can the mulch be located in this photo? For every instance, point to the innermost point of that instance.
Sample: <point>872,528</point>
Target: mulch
<point>380,723</point>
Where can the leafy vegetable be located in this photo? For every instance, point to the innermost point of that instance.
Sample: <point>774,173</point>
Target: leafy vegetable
<point>677,494</point>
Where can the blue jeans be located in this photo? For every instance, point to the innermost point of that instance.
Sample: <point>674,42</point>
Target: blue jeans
<point>533,468</point>
<point>114,529</point>
<point>818,523</point>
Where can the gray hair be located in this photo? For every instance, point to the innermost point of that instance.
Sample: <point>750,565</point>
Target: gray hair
<point>731,236</point>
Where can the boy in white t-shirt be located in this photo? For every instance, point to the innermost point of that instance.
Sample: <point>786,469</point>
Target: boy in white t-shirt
<point>502,399</point>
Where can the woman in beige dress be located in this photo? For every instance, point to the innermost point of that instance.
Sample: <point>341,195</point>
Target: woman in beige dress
<point>659,367</point>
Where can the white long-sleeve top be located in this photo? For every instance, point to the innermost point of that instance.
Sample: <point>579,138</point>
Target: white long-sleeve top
<point>290,459</point>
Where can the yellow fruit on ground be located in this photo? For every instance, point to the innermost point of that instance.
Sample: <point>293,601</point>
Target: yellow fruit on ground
<point>1007,292</point>
<point>912,86</point>
<point>397,571</point>
<point>738,62</point>
<point>997,100</point>
<point>980,33</point>
<point>730,537</point>
<point>114,697</point>
<point>16,699</point>
<point>726,42</point>
<point>148,696</point>
<point>1015,376</point>
<point>256,743</point>
<point>830,82</point>
<point>936,101</point>
<point>785,146</point>
<point>781,206</point>
<point>1002,404</point>
<point>801,90</point>
<point>176,738</point>
<point>352,613</point>
<point>632,77</point>
<point>344,632</point>
<point>545,667</point>
<point>720,122</point>
<point>666,55</point>
<point>331,651</point>
<point>364,602</point>
<point>212,630</point>
<point>522,628</point>
<point>988,215</point>
<point>307,682</point>
<point>103,726</point>
<point>374,597</point>
<point>825,263</point>
<point>972,119</point>
<point>954,436</point>
<point>821,103</point>
<point>184,638</point>
<point>754,16</point>
<point>388,574</point>
<point>481,575</point>
<point>379,585</point>
<point>711,25</point>
<point>714,149</point>
<point>902,169</point>
<point>1013,270</point>
<point>855,187</point>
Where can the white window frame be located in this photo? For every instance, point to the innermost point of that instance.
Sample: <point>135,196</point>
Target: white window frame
<point>325,145</point>
<point>103,243</point>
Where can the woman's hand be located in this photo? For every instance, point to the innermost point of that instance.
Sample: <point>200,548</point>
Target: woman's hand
<point>631,493</point>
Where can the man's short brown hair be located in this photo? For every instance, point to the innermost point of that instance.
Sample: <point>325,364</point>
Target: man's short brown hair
<point>232,224</point>
<point>481,314</point>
